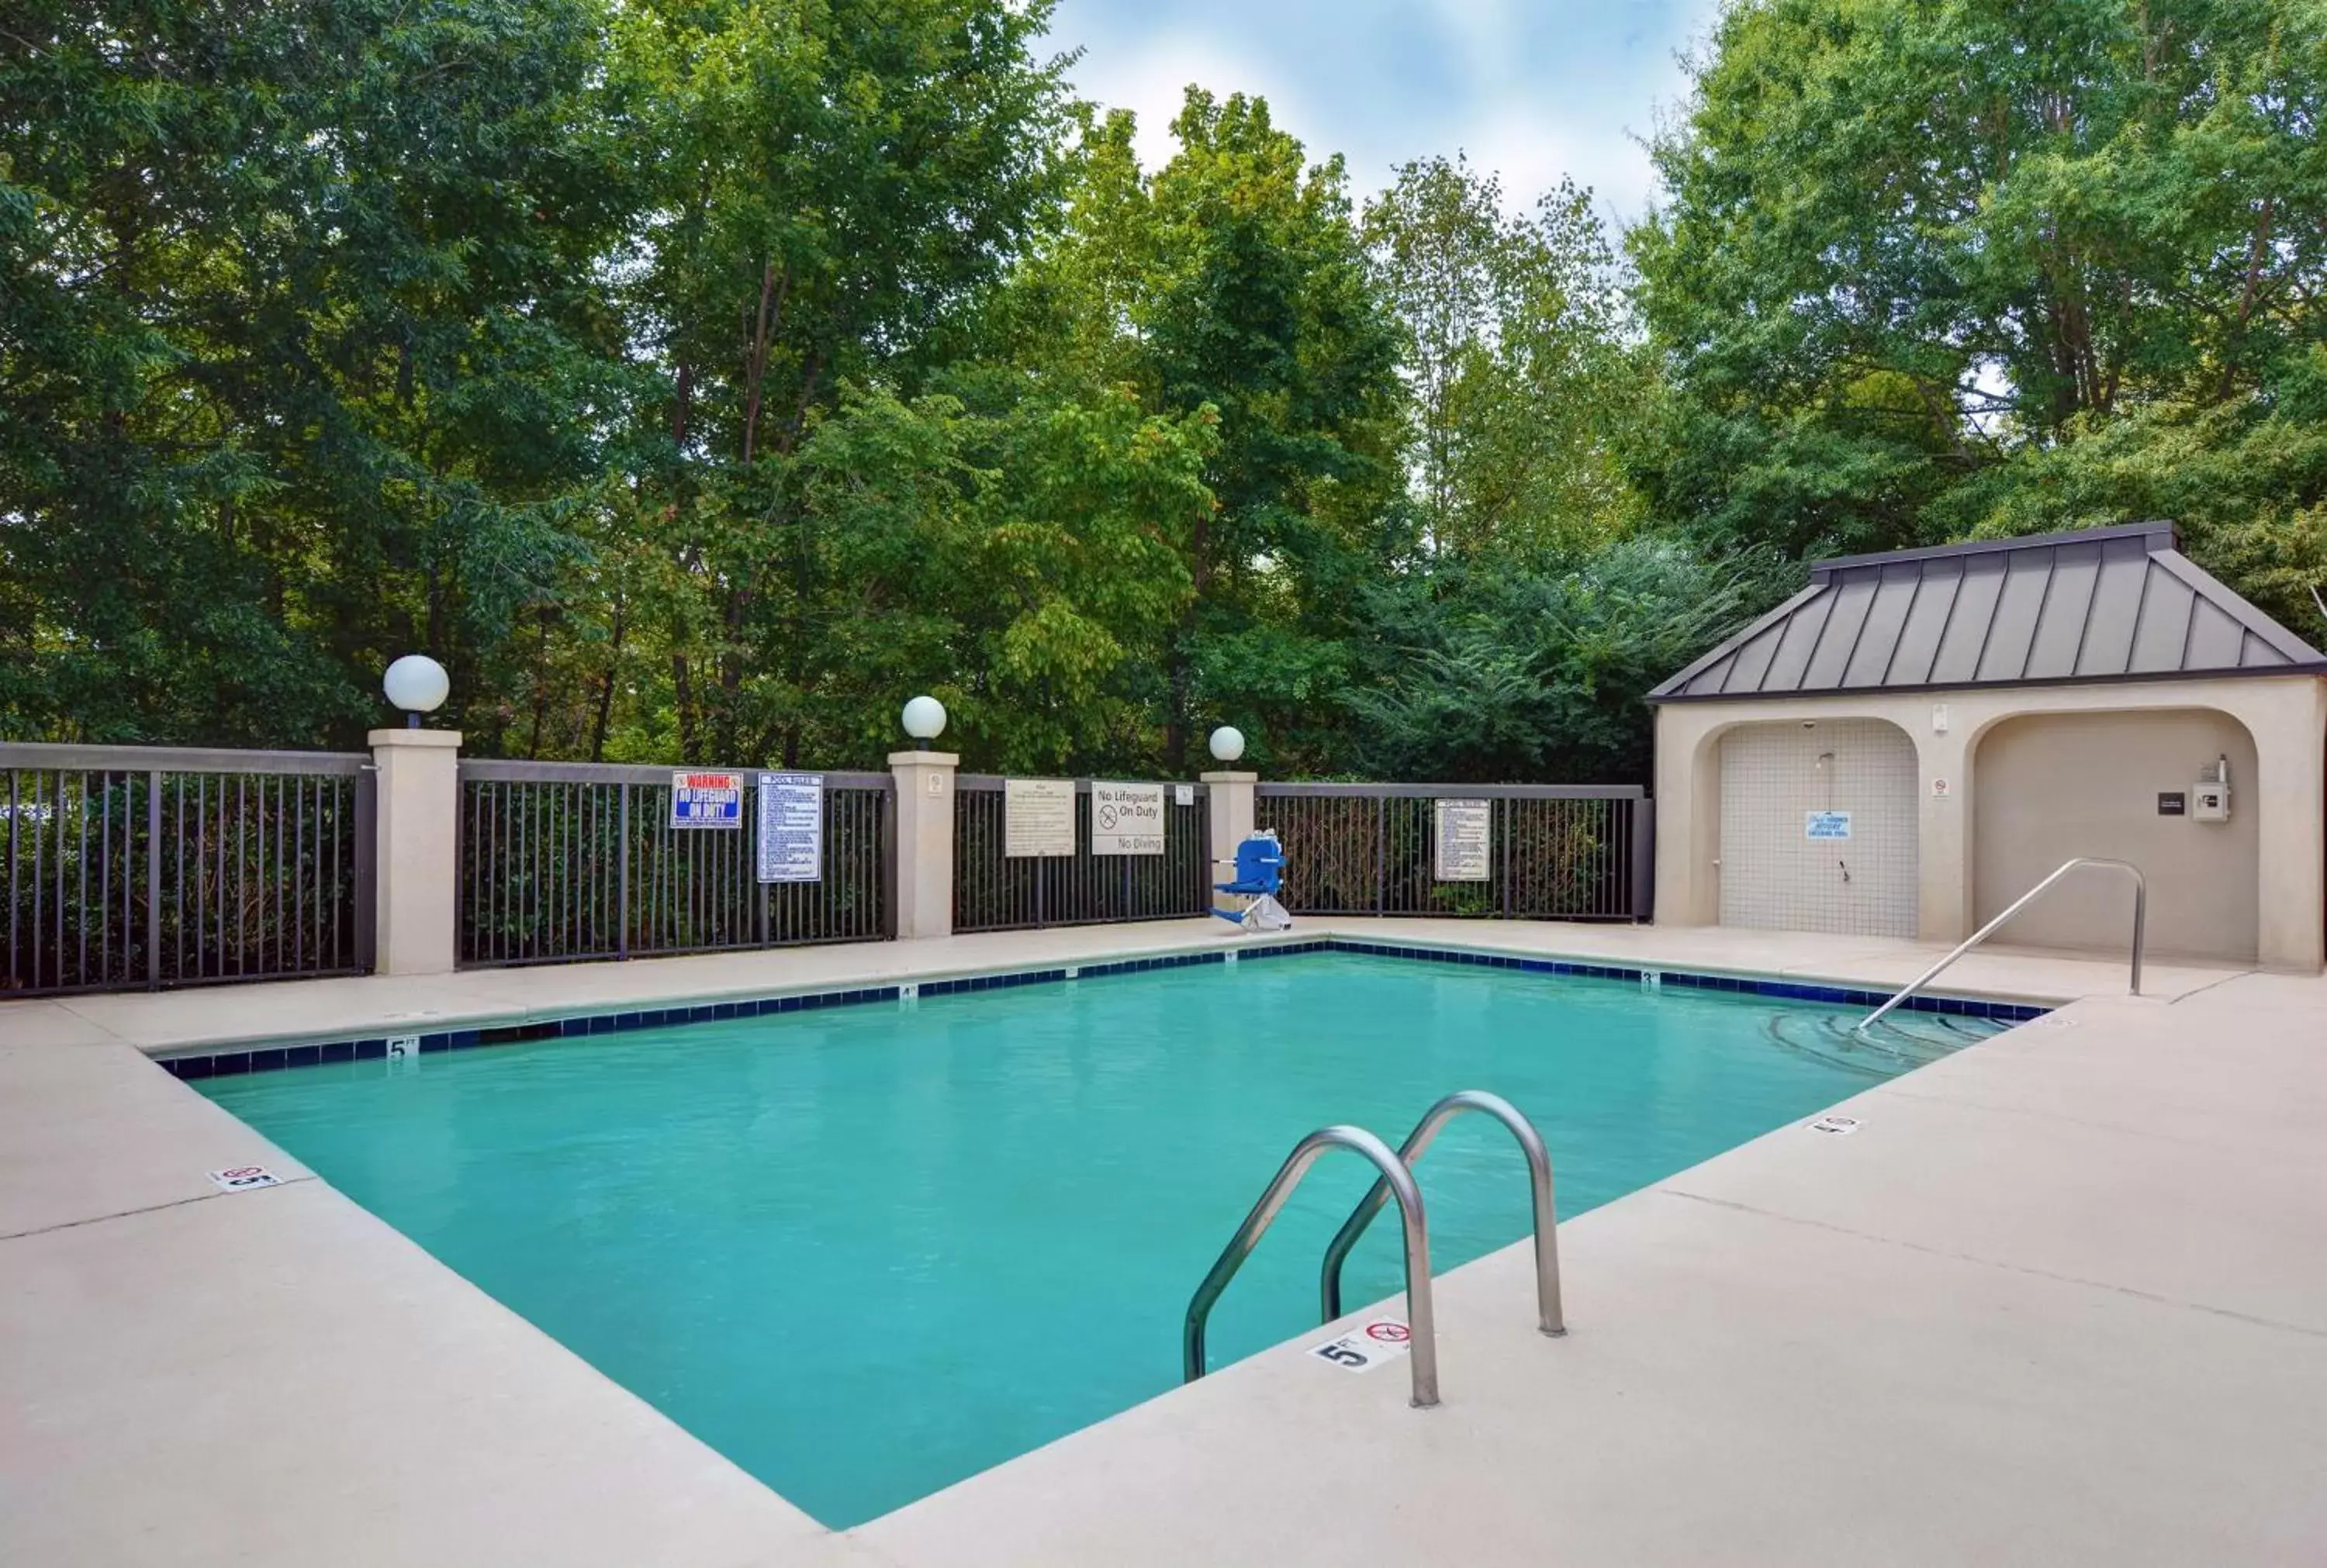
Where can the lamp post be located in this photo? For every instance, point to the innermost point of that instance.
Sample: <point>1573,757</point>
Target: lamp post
<point>415,789</point>
<point>924,719</point>
<point>418,684</point>
<point>1234,806</point>
<point>923,796</point>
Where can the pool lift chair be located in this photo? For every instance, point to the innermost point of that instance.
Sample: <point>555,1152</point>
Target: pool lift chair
<point>1259,872</point>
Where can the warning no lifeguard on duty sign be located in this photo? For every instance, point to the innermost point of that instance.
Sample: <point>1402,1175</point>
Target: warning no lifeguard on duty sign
<point>706,800</point>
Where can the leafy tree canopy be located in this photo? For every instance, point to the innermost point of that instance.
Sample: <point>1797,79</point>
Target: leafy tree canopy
<point>698,380</point>
<point>1933,270</point>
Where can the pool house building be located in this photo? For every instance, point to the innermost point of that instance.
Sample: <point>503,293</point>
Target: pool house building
<point>1916,739</point>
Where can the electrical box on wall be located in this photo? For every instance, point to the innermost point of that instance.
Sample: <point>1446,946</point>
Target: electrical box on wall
<point>2210,798</point>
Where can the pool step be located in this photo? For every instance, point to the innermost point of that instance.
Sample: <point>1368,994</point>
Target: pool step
<point>1904,1039</point>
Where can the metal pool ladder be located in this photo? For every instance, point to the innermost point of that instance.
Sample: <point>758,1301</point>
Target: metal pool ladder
<point>2140,929</point>
<point>1423,1351</point>
<point>1546,1221</point>
<point>1397,1181</point>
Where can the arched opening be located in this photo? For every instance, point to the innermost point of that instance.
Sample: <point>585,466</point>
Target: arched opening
<point>2122,786</point>
<point>1818,829</point>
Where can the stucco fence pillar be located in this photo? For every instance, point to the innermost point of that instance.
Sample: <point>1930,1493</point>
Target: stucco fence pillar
<point>416,844</point>
<point>1233,812</point>
<point>924,787</point>
<point>2286,716</point>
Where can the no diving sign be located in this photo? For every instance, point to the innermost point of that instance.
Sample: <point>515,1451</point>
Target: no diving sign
<point>1362,1349</point>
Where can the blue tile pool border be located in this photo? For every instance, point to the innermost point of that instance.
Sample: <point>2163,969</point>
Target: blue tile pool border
<point>271,1058</point>
<point>1787,990</point>
<point>232,1063</point>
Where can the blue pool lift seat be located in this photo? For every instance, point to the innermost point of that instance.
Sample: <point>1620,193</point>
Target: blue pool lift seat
<point>1259,873</point>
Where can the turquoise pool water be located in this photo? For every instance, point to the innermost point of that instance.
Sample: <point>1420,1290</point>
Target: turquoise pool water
<point>867,1251</point>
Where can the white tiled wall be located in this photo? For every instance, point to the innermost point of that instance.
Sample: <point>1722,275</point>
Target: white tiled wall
<point>1773,875</point>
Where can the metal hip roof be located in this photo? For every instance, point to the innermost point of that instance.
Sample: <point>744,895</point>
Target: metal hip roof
<point>2101,604</point>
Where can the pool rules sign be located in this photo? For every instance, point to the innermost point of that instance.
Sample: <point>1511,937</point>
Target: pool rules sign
<point>1038,817</point>
<point>1462,840</point>
<point>792,827</point>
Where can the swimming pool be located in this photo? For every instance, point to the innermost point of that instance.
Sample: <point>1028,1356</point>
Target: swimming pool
<point>867,1251</point>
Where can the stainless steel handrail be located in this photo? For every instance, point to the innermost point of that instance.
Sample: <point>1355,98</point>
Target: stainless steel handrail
<point>2140,929</point>
<point>1547,1223</point>
<point>1424,1340</point>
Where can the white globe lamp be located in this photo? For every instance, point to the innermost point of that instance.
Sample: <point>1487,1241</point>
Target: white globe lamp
<point>924,719</point>
<point>1227,743</point>
<point>418,684</point>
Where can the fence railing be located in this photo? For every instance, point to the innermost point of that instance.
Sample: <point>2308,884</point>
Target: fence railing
<point>1554,852</point>
<point>137,867</point>
<point>566,861</point>
<point>993,892</point>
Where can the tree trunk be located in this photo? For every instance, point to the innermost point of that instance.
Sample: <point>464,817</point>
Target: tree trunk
<point>1179,725</point>
<point>606,689</point>
<point>755,361</point>
<point>683,703</point>
<point>541,682</point>
<point>2258,253</point>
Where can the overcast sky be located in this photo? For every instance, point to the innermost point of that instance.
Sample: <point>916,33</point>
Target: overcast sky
<point>1531,89</point>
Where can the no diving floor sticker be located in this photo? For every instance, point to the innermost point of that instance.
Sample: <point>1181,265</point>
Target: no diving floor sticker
<point>1362,1349</point>
<point>243,1178</point>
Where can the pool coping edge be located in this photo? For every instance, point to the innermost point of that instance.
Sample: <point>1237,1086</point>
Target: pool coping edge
<point>200,1061</point>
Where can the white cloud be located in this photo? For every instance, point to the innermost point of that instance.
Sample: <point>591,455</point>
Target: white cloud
<point>1533,89</point>
<point>1532,151</point>
<point>1151,81</point>
<point>1485,30</point>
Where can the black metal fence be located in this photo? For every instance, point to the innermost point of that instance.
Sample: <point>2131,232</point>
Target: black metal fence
<point>564,861</point>
<point>133,868</point>
<point>993,892</point>
<point>1554,852</point>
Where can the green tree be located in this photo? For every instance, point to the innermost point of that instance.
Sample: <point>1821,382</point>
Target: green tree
<point>697,379</point>
<point>1232,284</point>
<point>1262,309</point>
<point>300,338</point>
<point>1529,391</point>
<point>1915,257</point>
<point>834,185</point>
<point>1027,567</point>
<point>1506,668</point>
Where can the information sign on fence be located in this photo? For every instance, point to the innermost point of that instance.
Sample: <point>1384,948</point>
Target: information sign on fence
<point>1463,838</point>
<point>792,827</point>
<point>706,800</point>
<point>1038,817</point>
<point>1126,818</point>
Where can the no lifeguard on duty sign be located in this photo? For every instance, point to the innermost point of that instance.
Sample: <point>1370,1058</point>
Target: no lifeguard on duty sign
<point>706,800</point>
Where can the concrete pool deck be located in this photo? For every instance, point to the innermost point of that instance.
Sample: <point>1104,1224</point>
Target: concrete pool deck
<point>2061,1298</point>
